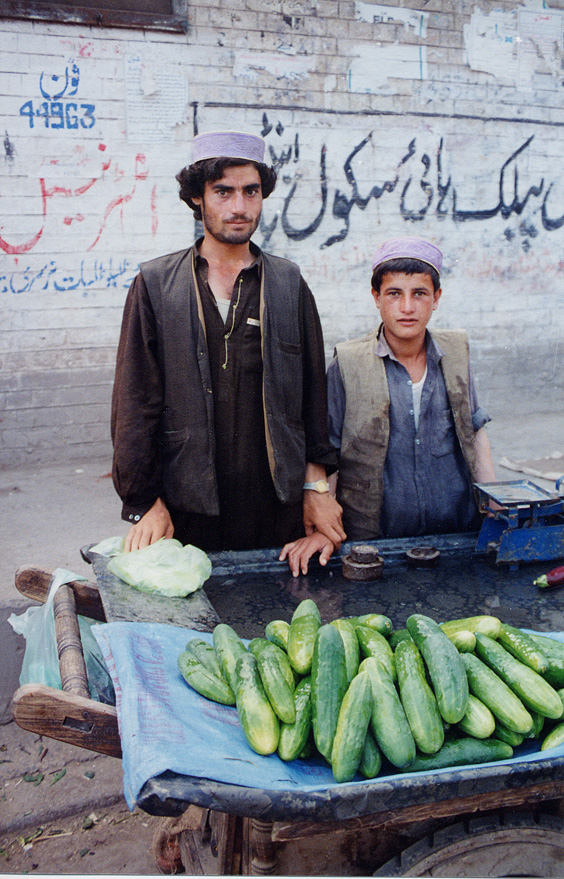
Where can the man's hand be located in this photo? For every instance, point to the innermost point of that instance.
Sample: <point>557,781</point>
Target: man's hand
<point>300,551</point>
<point>322,512</point>
<point>156,523</point>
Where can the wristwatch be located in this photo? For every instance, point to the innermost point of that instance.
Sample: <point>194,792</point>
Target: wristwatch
<point>321,486</point>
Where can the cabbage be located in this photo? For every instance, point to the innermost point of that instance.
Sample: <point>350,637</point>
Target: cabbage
<point>165,567</point>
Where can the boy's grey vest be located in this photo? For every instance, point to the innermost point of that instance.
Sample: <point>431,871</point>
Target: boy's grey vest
<point>187,425</point>
<point>366,428</point>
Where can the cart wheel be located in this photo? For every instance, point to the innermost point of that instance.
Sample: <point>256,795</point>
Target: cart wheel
<point>489,846</point>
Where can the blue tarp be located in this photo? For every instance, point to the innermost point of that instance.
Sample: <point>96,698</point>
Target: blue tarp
<point>165,725</point>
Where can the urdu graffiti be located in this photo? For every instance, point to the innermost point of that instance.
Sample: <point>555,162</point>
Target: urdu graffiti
<point>417,183</point>
<point>56,110</point>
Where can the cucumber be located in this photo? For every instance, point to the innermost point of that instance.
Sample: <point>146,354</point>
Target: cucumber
<point>554,738</point>
<point>484,623</point>
<point>280,693</point>
<point>306,620</point>
<point>294,736</point>
<point>538,725</point>
<point>523,648</point>
<point>398,635</point>
<point>228,648</point>
<point>261,645</point>
<point>203,680</point>
<point>277,631</point>
<point>328,687</point>
<point>478,721</point>
<point>554,653</point>
<point>388,721</point>
<point>464,640</point>
<point>352,725</point>
<point>205,652</point>
<point>418,699</point>
<point>258,720</point>
<point>535,693</point>
<point>378,621</point>
<point>444,664</point>
<point>462,752</point>
<point>493,692</point>
<point>372,643</point>
<point>504,734</point>
<point>371,760</point>
<point>350,642</point>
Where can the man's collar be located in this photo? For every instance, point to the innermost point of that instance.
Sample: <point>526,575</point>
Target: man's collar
<point>255,250</point>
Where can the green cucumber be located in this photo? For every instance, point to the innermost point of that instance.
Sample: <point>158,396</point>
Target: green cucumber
<point>378,621</point>
<point>554,653</point>
<point>538,725</point>
<point>504,734</point>
<point>328,686</point>
<point>205,652</point>
<point>493,692</point>
<point>398,635</point>
<point>352,725</point>
<point>464,640</point>
<point>418,699</point>
<point>294,736</point>
<point>306,620</point>
<point>350,642</point>
<point>478,721</point>
<point>277,631</point>
<point>261,645</point>
<point>534,692</point>
<point>372,643</point>
<point>371,760</point>
<point>462,752</point>
<point>203,680</point>
<point>228,648</point>
<point>280,693</point>
<point>444,664</point>
<point>554,738</point>
<point>484,623</point>
<point>388,722</point>
<point>523,648</point>
<point>258,720</point>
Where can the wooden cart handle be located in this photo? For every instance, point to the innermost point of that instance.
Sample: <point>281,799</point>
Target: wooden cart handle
<point>74,678</point>
<point>34,583</point>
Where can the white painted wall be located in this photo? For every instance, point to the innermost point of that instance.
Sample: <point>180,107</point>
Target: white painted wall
<point>381,120</point>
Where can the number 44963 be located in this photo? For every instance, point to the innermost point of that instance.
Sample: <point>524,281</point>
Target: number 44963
<point>57,114</point>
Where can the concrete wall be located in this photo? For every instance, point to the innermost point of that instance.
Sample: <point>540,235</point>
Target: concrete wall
<point>445,121</point>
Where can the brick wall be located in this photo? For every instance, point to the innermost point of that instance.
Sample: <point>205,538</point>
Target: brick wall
<point>444,121</point>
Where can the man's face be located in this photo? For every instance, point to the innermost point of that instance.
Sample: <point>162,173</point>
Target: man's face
<point>406,303</point>
<point>231,206</point>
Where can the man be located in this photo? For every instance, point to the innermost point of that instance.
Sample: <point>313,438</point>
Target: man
<point>403,414</point>
<point>219,403</point>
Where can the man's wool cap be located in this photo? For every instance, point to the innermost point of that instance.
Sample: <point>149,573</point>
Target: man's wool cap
<point>408,248</point>
<point>229,145</point>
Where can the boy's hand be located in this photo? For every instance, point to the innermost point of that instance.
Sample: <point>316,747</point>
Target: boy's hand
<point>300,551</point>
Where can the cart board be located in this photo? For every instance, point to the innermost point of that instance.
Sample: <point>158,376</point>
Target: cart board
<point>250,824</point>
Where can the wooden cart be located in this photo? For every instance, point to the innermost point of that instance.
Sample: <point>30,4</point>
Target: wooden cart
<point>496,821</point>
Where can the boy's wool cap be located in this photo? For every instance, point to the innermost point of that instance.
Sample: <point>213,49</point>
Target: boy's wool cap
<point>408,248</point>
<point>228,144</point>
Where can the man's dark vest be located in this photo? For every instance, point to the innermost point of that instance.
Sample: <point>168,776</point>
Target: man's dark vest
<point>187,425</point>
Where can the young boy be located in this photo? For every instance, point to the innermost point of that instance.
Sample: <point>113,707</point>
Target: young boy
<point>403,414</point>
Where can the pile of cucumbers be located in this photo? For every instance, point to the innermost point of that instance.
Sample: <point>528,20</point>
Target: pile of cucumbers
<point>362,695</point>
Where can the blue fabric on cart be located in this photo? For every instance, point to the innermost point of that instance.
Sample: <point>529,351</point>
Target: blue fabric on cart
<point>165,725</point>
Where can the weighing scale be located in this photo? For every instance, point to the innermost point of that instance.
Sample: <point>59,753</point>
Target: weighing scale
<point>528,527</point>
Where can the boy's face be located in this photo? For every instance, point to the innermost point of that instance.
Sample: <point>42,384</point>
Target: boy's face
<point>406,303</point>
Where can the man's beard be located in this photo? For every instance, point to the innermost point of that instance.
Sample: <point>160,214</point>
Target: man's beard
<point>227,234</point>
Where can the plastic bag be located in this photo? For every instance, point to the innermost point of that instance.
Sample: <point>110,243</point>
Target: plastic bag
<point>165,567</point>
<point>41,662</point>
